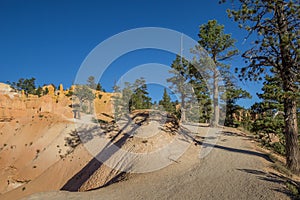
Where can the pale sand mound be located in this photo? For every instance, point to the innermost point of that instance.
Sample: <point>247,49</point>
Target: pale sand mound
<point>142,144</point>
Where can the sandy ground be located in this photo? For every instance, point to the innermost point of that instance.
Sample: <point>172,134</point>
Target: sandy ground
<point>233,169</point>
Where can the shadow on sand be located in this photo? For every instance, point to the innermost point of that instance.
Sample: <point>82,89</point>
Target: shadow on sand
<point>199,141</point>
<point>275,178</point>
<point>86,172</point>
<point>74,184</point>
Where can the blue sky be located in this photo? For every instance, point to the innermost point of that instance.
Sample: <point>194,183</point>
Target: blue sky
<point>50,39</point>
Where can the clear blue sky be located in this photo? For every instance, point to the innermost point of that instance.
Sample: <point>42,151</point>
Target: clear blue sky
<point>49,39</point>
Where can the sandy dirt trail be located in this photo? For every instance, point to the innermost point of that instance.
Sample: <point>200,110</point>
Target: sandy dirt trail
<point>232,170</point>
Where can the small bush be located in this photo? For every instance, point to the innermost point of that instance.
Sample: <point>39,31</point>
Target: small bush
<point>70,93</point>
<point>279,148</point>
<point>84,108</point>
<point>282,169</point>
<point>293,189</point>
<point>100,121</point>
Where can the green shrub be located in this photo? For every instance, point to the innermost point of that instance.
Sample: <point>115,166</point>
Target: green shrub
<point>279,148</point>
<point>293,189</point>
<point>70,93</point>
<point>84,108</point>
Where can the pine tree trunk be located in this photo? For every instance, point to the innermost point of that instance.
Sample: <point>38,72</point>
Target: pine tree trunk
<point>291,135</point>
<point>215,121</point>
<point>290,103</point>
<point>183,117</point>
<point>91,110</point>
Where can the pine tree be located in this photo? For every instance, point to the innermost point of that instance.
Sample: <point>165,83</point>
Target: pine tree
<point>131,97</point>
<point>230,96</point>
<point>126,95</point>
<point>99,87</point>
<point>39,91</point>
<point>140,98</point>
<point>270,120</point>
<point>117,102</point>
<point>179,82</point>
<point>91,82</point>
<point>166,102</point>
<point>84,93</point>
<point>188,82</point>
<point>276,24</point>
<point>46,91</point>
<point>202,110</point>
<point>220,47</point>
<point>28,85</point>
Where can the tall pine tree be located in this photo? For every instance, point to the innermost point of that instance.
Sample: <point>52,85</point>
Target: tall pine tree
<point>140,98</point>
<point>231,94</point>
<point>166,102</point>
<point>220,47</point>
<point>179,82</point>
<point>270,112</point>
<point>276,24</point>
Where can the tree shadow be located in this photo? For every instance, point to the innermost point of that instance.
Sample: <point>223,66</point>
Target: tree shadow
<point>121,176</point>
<point>81,136</point>
<point>229,133</point>
<point>119,140</point>
<point>199,140</point>
<point>275,178</point>
<point>230,149</point>
<point>74,184</point>
<point>197,124</point>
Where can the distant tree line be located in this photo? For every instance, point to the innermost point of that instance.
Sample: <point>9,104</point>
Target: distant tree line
<point>132,97</point>
<point>28,85</point>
